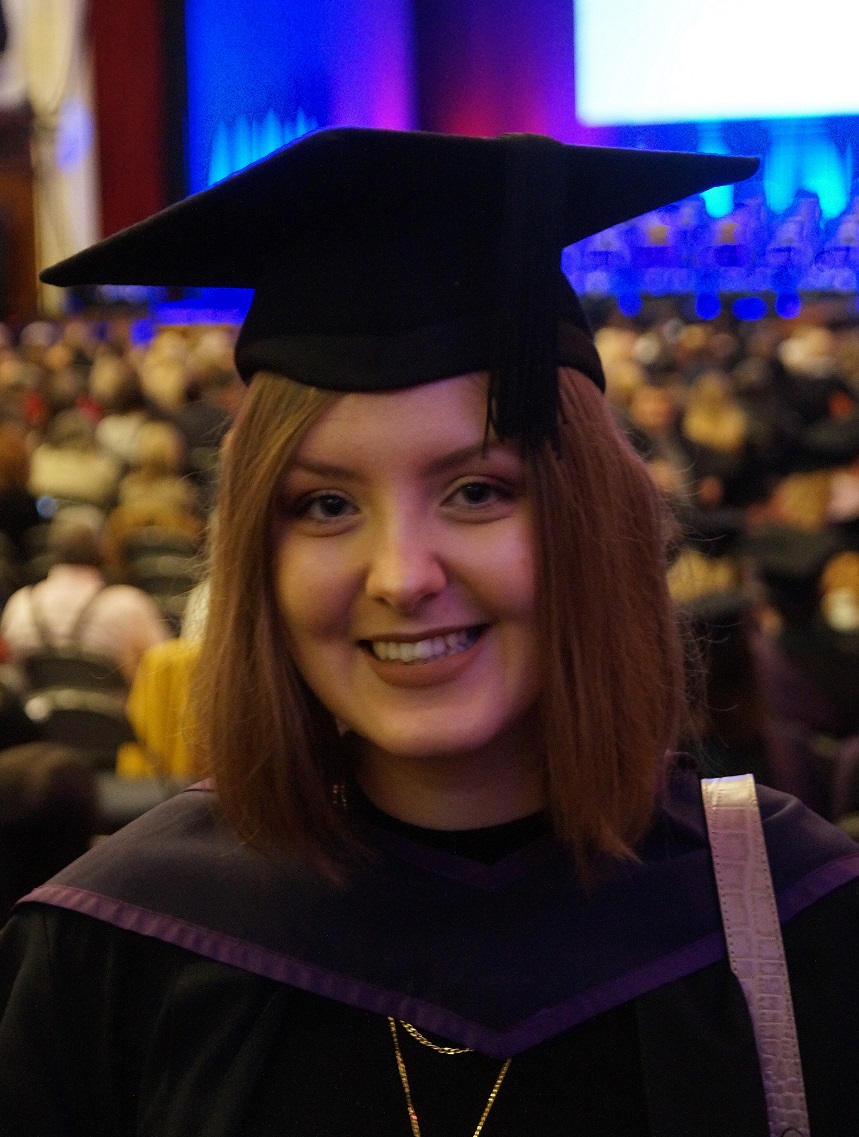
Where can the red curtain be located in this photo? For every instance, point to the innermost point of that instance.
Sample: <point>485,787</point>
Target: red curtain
<point>129,96</point>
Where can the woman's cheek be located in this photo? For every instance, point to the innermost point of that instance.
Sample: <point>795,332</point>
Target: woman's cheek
<point>314,587</point>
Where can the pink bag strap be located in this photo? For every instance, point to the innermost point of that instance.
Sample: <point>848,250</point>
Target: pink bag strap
<point>755,947</point>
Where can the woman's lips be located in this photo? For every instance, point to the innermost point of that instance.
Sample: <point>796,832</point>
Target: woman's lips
<point>426,648</point>
<point>425,661</point>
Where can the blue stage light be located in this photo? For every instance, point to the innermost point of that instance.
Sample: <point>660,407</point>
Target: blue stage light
<point>629,303</point>
<point>788,305</point>
<point>707,306</point>
<point>142,332</point>
<point>263,72</point>
<point>749,308</point>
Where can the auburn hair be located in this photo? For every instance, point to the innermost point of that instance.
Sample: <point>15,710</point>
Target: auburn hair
<point>613,698</point>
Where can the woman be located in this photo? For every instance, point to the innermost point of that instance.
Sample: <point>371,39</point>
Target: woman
<point>448,879</point>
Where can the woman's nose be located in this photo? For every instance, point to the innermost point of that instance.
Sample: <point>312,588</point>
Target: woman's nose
<point>405,567</point>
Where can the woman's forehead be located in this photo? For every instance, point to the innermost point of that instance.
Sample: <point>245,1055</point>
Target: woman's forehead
<point>447,414</point>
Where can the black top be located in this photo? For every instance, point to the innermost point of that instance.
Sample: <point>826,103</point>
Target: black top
<point>488,845</point>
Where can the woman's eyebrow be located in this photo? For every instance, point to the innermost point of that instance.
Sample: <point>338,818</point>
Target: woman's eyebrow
<point>439,465</point>
<point>482,450</point>
<point>322,469</point>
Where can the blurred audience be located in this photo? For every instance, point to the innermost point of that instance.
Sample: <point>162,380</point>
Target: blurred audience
<point>214,396</point>
<point>116,385</point>
<point>142,516</point>
<point>751,430</point>
<point>756,427</point>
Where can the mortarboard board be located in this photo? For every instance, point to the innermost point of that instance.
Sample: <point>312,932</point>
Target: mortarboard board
<point>723,609</point>
<point>716,532</point>
<point>828,444</point>
<point>385,259</point>
<point>789,557</point>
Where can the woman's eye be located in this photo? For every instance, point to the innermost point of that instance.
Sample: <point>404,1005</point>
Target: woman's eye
<point>325,507</point>
<point>477,494</point>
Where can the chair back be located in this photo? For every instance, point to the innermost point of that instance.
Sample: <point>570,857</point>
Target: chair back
<point>91,723</point>
<point>152,540</point>
<point>168,578</point>
<point>73,667</point>
<point>41,558</point>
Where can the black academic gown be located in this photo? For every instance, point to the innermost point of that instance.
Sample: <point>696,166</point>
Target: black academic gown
<point>173,984</point>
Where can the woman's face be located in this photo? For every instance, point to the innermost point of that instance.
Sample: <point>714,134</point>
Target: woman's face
<point>404,569</point>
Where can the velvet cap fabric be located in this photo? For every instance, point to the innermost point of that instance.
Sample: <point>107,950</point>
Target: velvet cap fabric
<point>386,259</point>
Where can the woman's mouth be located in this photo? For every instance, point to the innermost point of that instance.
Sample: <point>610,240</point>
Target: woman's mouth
<point>426,650</point>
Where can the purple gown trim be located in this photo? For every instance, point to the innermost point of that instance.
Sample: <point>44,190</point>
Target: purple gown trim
<point>433,938</point>
<point>500,1044</point>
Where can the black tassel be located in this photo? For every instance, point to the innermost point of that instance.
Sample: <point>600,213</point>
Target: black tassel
<point>523,381</point>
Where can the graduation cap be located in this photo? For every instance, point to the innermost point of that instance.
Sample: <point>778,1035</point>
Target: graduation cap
<point>789,561</point>
<point>828,444</point>
<point>724,609</point>
<point>716,532</point>
<point>387,259</point>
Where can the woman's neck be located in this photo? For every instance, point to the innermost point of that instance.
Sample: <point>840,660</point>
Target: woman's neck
<point>451,792</point>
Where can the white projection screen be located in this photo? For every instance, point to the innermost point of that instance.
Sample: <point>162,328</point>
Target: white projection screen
<point>665,61</point>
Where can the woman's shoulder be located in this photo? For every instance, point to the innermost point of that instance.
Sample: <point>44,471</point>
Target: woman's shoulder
<point>808,856</point>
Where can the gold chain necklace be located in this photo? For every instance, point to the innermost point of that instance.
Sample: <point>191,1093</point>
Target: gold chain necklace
<point>422,1038</point>
<point>401,1067</point>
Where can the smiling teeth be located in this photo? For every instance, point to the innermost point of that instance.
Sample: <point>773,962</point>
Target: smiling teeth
<point>424,650</point>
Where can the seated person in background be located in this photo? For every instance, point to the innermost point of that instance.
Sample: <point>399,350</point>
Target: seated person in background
<point>164,371</point>
<point>70,464</point>
<point>18,512</point>
<point>653,431</point>
<point>128,519</point>
<point>74,607</point>
<point>116,385</point>
<point>717,434</point>
<point>158,459</point>
<point>214,397</point>
<point>49,814</point>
